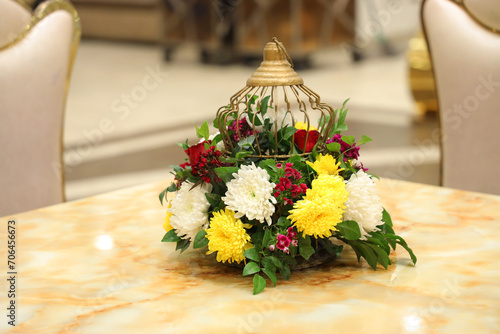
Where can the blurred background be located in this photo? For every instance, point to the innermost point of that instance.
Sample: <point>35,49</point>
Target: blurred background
<point>147,71</point>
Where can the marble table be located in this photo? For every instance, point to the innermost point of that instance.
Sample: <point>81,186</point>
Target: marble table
<point>97,266</point>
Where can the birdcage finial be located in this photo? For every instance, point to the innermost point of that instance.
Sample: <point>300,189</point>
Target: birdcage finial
<point>276,69</point>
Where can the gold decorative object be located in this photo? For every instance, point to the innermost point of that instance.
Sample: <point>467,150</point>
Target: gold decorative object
<point>289,99</point>
<point>420,76</point>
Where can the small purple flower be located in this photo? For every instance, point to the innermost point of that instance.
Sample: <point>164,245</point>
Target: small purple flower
<point>349,151</point>
<point>271,248</point>
<point>245,129</point>
<point>291,234</point>
<point>283,242</point>
<point>295,243</point>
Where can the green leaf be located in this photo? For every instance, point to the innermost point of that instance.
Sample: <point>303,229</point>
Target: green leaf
<point>354,247</point>
<point>242,154</point>
<point>251,100</point>
<point>323,120</point>
<point>275,261</point>
<point>213,199</point>
<point>306,251</point>
<point>246,142</point>
<point>386,218</point>
<point>200,239</point>
<point>203,132</point>
<point>257,238</point>
<point>226,173</point>
<point>264,104</point>
<point>271,274</point>
<point>259,283</point>
<point>403,243</point>
<point>378,239</point>
<point>252,254</point>
<point>254,118</point>
<point>333,147</point>
<point>269,164</point>
<point>382,256</point>
<point>290,259</point>
<point>286,133</point>
<point>184,145</point>
<point>177,169</point>
<point>349,139</point>
<point>271,139</point>
<point>364,139</point>
<point>387,227</point>
<point>345,102</point>
<point>172,188</point>
<point>216,139</point>
<point>285,271</point>
<point>170,236</point>
<point>251,268</point>
<point>283,222</point>
<point>330,247</point>
<point>267,238</point>
<point>340,125</point>
<point>305,248</point>
<point>349,229</point>
<point>368,254</point>
<point>266,263</point>
<point>193,179</point>
<point>340,128</point>
<point>162,195</point>
<point>341,160</point>
<point>182,245</point>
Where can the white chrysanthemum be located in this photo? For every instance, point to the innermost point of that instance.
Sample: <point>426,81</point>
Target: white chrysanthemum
<point>250,194</point>
<point>189,209</point>
<point>282,117</point>
<point>363,203</point>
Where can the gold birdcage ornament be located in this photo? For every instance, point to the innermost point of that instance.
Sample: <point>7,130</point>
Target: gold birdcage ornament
<point>276,92</point>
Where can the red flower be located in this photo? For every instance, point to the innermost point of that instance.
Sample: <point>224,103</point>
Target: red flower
<point>194,152</point>
<point>184,165</point>
<point>300,139</point>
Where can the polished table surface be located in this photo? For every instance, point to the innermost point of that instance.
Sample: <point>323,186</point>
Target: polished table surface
<point>97,266</point>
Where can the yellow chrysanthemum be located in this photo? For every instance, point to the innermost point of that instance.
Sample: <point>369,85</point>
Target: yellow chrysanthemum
<point>322,208</point>
<point>167,225</point>
<point>325,164</point>
<point>303,126</point>
<point>227,236</point>
<point>328,186</point>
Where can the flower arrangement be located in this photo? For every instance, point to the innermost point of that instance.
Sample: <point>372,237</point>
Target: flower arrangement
<point>287,209</point>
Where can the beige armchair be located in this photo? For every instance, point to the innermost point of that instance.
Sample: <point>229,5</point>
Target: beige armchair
<point>464,44</point>
<point>34,76</point>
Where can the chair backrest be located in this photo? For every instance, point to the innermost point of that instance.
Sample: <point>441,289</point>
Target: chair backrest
<point>464,44</point>
<point>15,17</point>
<point>34,76</point>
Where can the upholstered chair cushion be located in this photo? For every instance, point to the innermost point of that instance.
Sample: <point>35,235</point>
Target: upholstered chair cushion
<point>466,61</point>
<point>13,19</point>
<point>33,79</point>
